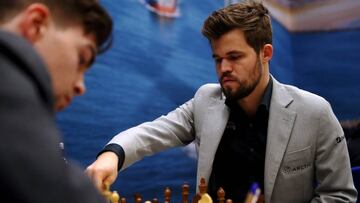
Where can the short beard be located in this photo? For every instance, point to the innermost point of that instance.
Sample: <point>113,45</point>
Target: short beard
<point>244,89</point>
<point>239,93</point>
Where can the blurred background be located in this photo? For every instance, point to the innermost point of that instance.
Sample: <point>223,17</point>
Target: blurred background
<point>159,59</point>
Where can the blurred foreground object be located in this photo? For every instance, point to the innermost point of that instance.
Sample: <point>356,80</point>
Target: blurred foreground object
<point>166,8</point>
<point>315,15</point>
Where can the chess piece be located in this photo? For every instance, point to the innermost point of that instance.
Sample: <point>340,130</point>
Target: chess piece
<point>221,195</point>
<point>205,197</point>
<point>202,186</point>
<point>114,197</point>
<point>155,200</point>
<point>185,193</point>
<point>137,198</point>
<point>167,194</point>
<point>253,194</point>
<point>229,201</point>
<point>123,200</point>
<point>106,192</point>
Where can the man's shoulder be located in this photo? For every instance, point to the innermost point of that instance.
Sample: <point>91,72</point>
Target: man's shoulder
<point>209,90</point>
<point>24,69</point>
<point>304,97</point>
<point>306,94</point>
<point>23,56</point>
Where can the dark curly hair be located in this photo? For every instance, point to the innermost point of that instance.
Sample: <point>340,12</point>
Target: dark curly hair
<point>250,16</point>
<point>88,13</point>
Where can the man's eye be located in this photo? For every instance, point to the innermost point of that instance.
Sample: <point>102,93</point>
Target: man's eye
<point>82,61</point>
<point>217,60</point>
<point>234,57</point>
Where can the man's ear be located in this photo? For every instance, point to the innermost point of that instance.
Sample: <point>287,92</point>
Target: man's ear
<point>35,22</point>
<point>267,52</point>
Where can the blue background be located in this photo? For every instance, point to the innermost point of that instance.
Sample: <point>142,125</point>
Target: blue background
<point>156,64</point>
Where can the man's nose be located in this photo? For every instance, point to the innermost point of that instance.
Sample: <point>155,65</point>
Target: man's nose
<point>80,87</point>
<point>225,66</point>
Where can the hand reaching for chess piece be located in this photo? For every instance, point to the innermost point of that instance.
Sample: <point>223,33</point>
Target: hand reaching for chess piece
<point>103,170</point>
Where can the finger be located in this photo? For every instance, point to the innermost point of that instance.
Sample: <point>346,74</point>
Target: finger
<point>98,179</point>
<point>89,171</point>
<point>109,180</point>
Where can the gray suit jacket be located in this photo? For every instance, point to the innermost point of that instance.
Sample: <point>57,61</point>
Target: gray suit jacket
<point>306,154</point>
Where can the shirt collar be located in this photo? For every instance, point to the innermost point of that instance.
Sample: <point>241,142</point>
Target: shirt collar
<point>267,95</point>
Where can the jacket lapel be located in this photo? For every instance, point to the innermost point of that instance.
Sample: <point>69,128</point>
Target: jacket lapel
<point>281,121</point>
<point>215,120</point>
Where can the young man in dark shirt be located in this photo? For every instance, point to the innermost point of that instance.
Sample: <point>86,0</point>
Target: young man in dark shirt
<point>45,48</point>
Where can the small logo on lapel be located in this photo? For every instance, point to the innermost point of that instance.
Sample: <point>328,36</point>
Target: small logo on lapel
<point>339,139</point>
<point>295,169</point>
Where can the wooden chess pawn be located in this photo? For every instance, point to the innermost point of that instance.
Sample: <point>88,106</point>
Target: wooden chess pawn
<point>185,193</point>
<point>137,198</point>
<point>167,194</point>
<point>123,200</point>
<point>155,200</point>
<point>221,195</point>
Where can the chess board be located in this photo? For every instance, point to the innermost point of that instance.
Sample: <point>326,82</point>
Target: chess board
<point>201,197</point>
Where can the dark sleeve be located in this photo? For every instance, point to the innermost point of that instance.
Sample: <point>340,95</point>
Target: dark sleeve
<point>32,167</point>
<point>118,150</point>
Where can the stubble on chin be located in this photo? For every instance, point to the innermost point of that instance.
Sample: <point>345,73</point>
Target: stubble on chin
<point>226,91</point>
<point>236,94</point>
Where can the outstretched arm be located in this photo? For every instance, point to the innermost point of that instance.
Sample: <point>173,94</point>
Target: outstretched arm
<point>174,129</point>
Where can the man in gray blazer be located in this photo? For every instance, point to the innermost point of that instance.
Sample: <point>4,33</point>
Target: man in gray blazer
<point>286,139</point>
